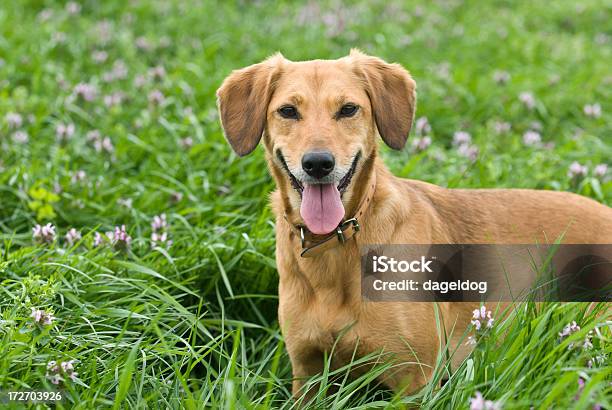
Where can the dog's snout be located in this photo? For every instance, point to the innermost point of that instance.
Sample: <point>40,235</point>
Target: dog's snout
<point>318,164</point>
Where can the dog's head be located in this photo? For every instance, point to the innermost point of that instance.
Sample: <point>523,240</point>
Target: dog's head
<point>319,121</point>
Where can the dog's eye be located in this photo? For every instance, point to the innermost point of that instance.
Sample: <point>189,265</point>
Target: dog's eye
<point>288,111</point>
<point>348,110</point>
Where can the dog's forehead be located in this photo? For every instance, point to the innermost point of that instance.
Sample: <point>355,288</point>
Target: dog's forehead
<point>318,78</point>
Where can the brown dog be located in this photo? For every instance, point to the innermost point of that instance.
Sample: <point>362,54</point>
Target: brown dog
<point>320,121</point>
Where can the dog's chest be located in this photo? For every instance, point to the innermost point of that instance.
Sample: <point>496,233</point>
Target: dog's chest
<point>320,323</point>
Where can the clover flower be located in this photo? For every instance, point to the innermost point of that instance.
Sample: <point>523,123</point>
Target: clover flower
<point>597,360</point>
<point>113,99</point>
<point>45,15</point>
<point>72,236</point>
<point>532,138</point>
<point>527,99</point>
<point>501,127</point>
<point>78,176</point>
<point>98,240</point>
<point>422,126</point>
<point>73,7</point>
<point>186,143</point>
<point>157,73</point>
<point>468,151</point>
<point>44,234</point>
<point>140,81</point>
<point>176,197</point>
<point>125,202</point>
<point>60,372</point>
<point>85,91</point>
<point>421,143</point>
<point>13,120</point>
<point>99,56</point>
<point>119,71</point>
<point>121,240</point>
<point>592,110</point>
<point>41,317</point>
<point>160,236</point>
<point>577,170</point>
<point>159,222</point>
<point>161,239</point>
<point>481,321</point>
<point>64,132</point>
<point>100,144</point>
<point>580,388</point>
<point>461,138</point>
<point>569,330</point>
<point>103,31</point>
<point>482,314</point>
<point>501,77</point>
<point>600,170</point>
<point>20,137</point>
<point>143,44</point>
<point>156,97</point>
<point>478,402</point>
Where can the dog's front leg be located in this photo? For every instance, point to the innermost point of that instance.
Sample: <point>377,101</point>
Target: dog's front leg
<point>305,364</point>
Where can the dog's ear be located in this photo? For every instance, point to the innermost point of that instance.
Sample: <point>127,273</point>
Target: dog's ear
<point>392,93</point>
<point>243,100</point>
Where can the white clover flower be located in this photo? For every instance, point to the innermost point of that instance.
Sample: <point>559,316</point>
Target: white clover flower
<point>44,234</point>
<point>532,138</point>
<point>527,99</point>
<point>592,110</point>
<point>479,403</point>
<point>577,170</point>
<point>421,143</point>
<point>501,77</point>
<point>87,92</point>
<point>159,222</point>
<point>482,320</point>
<point>501,127</point>
<point>156,97</point>
<point>64,132</point>
<point>157,73</point>
<point>422,126</point>
<point>469,151</point>
<point>13,120</point>
<point>121,239</point>
<point>73,7</point>
<point>58,373</point>
<point>78,176</point>
<point>114,99</point>
<point>572,328</point>
<point>186,143</point>
<point>99,56</point>
<point>600,170</point>
<point>20,137</point>
<point>41,317</point>
<point>72,236</point>
<point>461,138</point>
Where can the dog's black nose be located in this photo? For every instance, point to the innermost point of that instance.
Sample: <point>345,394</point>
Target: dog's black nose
<point>318,164</point>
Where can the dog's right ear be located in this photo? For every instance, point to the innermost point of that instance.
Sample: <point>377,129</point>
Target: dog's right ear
<point>243,100</point>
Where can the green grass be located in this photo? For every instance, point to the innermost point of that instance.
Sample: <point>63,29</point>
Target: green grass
<point>194,325</point>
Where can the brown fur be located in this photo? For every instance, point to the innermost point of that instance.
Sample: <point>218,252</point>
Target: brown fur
<point>320,297</point>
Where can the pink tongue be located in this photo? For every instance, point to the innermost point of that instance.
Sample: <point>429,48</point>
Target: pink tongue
<point>321,208</point>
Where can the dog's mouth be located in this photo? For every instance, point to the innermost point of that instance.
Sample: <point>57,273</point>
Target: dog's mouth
<point>321,208</point>
<point>295,183</point>
<point>298,185</point>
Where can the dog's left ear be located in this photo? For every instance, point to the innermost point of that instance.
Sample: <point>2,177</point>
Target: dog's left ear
<point>243,100</point>
<point>392,93</point>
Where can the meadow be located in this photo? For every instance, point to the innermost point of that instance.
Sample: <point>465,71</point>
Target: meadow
<point>155,284</point>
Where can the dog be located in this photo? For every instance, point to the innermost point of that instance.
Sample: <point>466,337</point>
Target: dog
<point>319,122</point>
